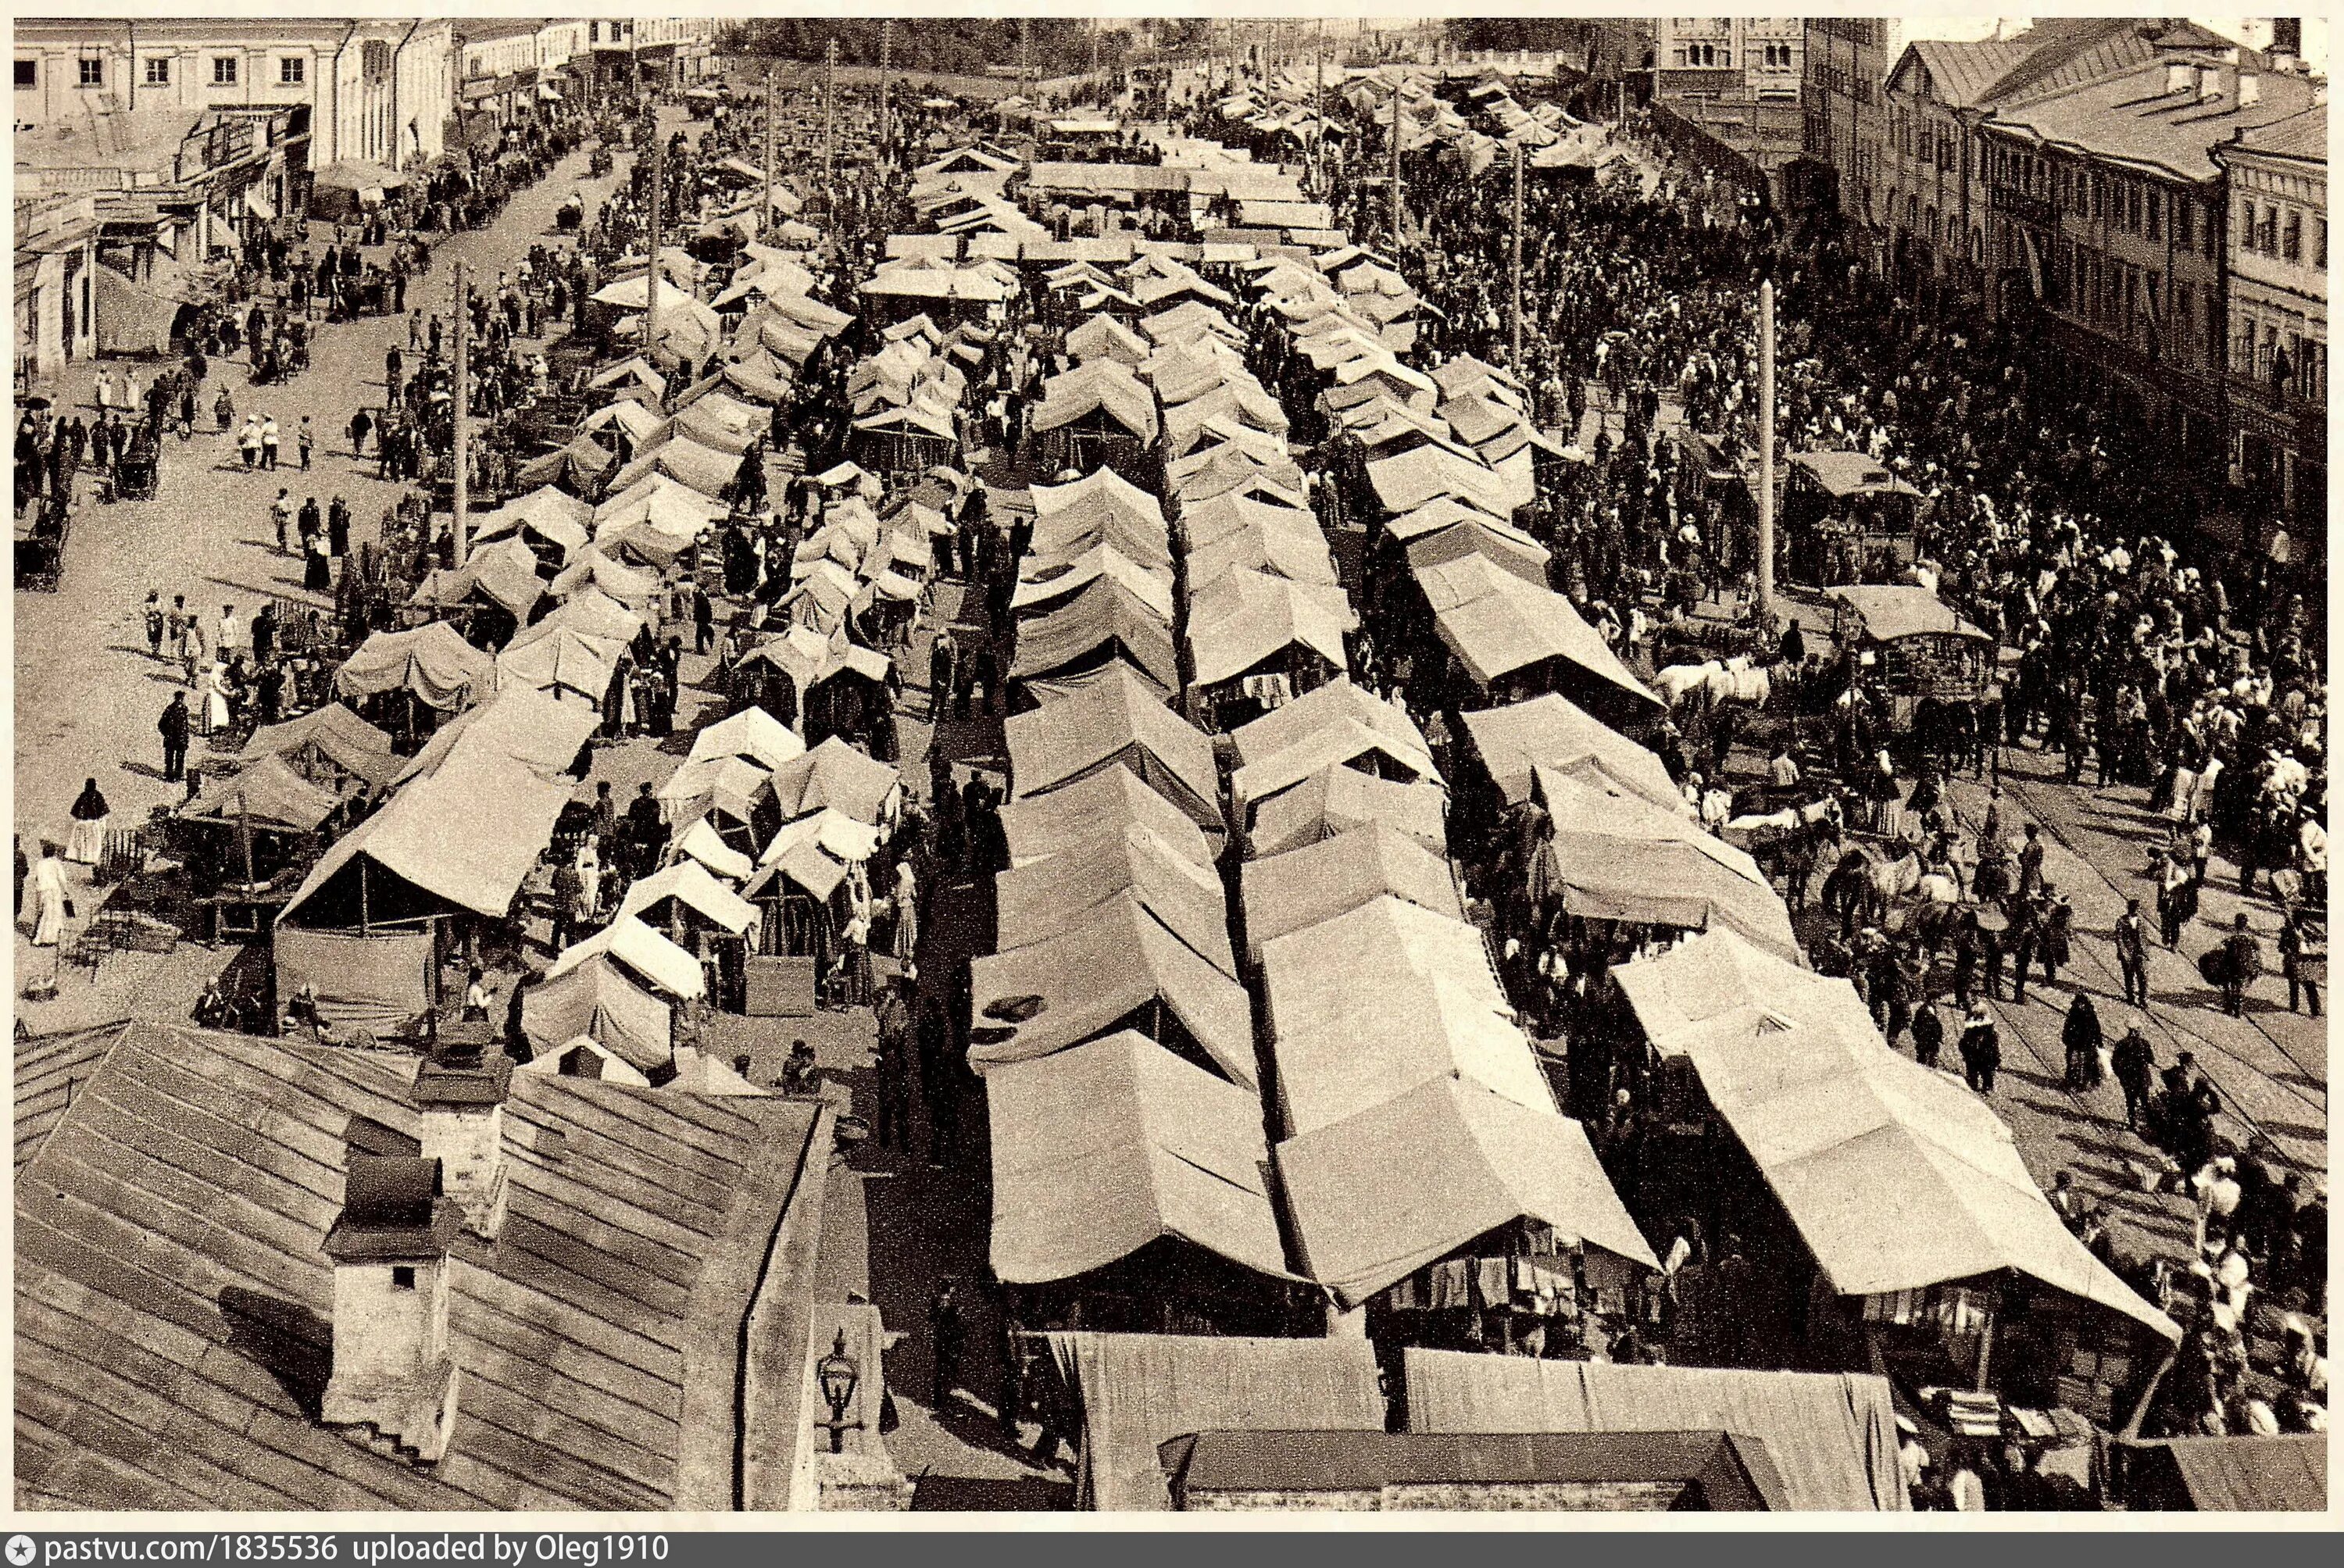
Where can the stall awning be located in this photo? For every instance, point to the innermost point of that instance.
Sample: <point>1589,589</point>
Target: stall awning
<point>257,202</point>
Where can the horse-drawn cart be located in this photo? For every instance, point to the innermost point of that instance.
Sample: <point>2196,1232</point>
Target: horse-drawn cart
<point>1925,670</point>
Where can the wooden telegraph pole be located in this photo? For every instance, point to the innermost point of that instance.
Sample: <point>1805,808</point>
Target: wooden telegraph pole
<point>765,218</point>
<point>830,125</point>
<point>1766,447</point>
<point>651,242</point>
<point>887,72</point>
<point>1395,233</point>
<point>1319,113</point>
<point>1522,149</point>
<point>463,407</point>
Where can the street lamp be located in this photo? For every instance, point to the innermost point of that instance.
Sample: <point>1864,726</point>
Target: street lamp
<point>839,1376</point>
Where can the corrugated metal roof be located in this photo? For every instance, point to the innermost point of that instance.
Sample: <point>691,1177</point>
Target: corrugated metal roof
<point>2299,135</point>
<point>174,1305</point>
<point>2130,117</point>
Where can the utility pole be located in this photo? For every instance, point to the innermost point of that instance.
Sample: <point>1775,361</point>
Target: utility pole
<point>463,402</point>
<point>1026,58</point>
<point>830,124</point>
<point>887,71</point>
<point>651,245</point>
<point>1318,112</point>
<point>1396,233</point>
<point>1521,150</point>
<point>765,217</point>
<point>1766,447</point>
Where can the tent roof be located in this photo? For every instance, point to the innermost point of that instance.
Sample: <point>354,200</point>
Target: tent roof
<point>433,661</point>
<point>752,732</point>
<point>1497,623</point>
<point>1247,616</point>
<point>436,835</point>
<point>1845,474</point>
<point>521,727</point>
<point>1308,976</point>
<point>1891,611</point>
<point>1832,1436</point>
<point>1116,719</point>
<point>1896,1175</point>
<point>1135,1391</point>
<point>1615,856</point>
<point>686,882</point>
<point>1045,898</point>
<point>2241,1474</point>
<point>1325,707</point>
<point>1382,1193</point>
<point>1302,887</point>
<point>641,950</point>
<point>1102,614</point>
<point>835,777</point>
<point>1045,581</point>
<point>1101,482</point>
<point>1397,1032</point>
<point>1106,804</point>
<point>1552,731</point>
<point>596,1000</point>
<point>1101,1149</point>
<point>269,794</point>
<point>1343,742</point>
<point>1091,977</point>
<point>1720,986</point>
<point>1337,798</point>
<point>338,734</point>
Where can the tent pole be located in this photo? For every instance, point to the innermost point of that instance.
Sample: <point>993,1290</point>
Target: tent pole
<point>1521,150</point>
<point>765,215</point>
<point>1395,173</point>
<point>244,832</point>
<point>364,929</point>
<point>1766,447</point>
<point>461,503</point>
<point>652,278</point>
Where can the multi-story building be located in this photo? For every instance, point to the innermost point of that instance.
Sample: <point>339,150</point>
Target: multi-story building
<point>1728,57</point>
<point>2106,230</point>
<point>1940,91</point>
<point>498,65</point>
<point>666,51</point>
<point>377,89</point>
<point>56,282</point>
<point>1844,69</point>
<point>2277,254</point>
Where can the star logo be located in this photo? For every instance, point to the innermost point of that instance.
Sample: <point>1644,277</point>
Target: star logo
<point>20,1550</point>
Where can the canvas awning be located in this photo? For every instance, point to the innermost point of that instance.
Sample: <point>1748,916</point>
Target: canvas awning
<point>1092,977</point>
<point>1832,1436</point>
<point>1614,856</point>
<point>689,885</point>
<point>266,795</point>
<point>1038,901</point>
<point>1385,1191</point>
<point>1108,804</point>
<point>1099,1150</point>
<point>1117,721</point>
<point>1306,887</point>
<point>596,1001</point>
<point>1100,622</point>
<point>332,731</point>
<point>644,951</point>
<point>1824,1114</point>
<point>433,660</point>
<point>1336,799</point>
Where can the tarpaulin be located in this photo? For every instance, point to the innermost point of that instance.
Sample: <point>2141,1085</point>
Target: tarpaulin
<point>377,982</point>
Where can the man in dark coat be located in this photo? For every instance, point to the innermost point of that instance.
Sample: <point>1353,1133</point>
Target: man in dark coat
<point>1980,1050</point>
<point>174,726</point>
<point>2082,1037</point>
<point>2134,1059</point>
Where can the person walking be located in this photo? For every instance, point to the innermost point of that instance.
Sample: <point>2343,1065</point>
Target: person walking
<point>2132,954</point>
<point>174,726</point>
<point>2082,1039</point>
<point>2241,965</point>
<point>154,614</point>
<point>1928,1033</point>
<point>306,439</point>
<point>2303,957</point>
<point>2134,1062</point>
<point>280,512</point>
<point>48,897</point>
<point>1981,1049</point>
<point>270,441</point>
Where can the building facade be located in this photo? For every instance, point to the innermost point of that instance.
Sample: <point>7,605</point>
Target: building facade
<point>2107,231</point>
<point>2276,252</point>
<point>377,89</point>
<point>1729,56</point>
<point>657,52</point>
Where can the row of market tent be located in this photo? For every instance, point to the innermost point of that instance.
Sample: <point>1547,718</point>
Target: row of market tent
<point>1118,1001</point>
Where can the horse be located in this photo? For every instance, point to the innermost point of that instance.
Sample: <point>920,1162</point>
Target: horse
<point>1866,882</point>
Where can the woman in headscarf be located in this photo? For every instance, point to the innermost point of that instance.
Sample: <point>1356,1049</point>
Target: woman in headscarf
<point>47,897</point>
<point>2081,1035</point>
<point>217,710</point>
<point>90,814</point>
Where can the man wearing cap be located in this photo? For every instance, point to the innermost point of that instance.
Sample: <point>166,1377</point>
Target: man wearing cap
<point>1981,1049</point>
<point>2132,954</point>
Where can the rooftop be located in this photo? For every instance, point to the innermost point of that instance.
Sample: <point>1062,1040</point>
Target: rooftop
<point>2132,117</point>
<point>174,1299</point>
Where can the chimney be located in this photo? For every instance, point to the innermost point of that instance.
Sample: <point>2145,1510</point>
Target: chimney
<point>461,1094</point>
<point>2287,42</point>
<point>394,1384</point>
<point>2210,83</point>
<point>2179,79</point>
<point>2251,89</point>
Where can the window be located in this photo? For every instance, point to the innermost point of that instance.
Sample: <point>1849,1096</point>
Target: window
<point>158,72</point>
<point>2319,257</point>
<point>92,72</point>
<point>223,70</point>
<point>292,70</point>
<point>2156,215</point>
<point>593,32</point>
<point>2291,246</point>
<point>28,73</point>
<point>2270,231</point>
<point>402,1277</point>
<point>2184,214</point>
